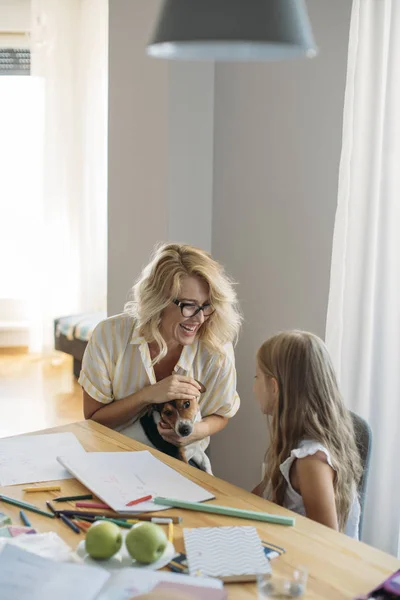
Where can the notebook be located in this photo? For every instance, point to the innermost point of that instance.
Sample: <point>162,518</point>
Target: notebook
<point>228,553</point>
<point>179,562</point>
<point>120,477</point>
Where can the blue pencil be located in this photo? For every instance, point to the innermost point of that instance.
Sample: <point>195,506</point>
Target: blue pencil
<point>24,519</point>
<point>69,523</point>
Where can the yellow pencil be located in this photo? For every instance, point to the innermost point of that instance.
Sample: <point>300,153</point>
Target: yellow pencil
<point>171,532</point>
<point>132,521</point>
<point>49,488</point>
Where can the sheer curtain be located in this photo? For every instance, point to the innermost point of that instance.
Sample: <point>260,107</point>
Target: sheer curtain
<point>363,324</point>
<point>69,54</point>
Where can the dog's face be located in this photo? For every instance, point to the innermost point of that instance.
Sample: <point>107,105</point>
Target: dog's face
<point>180,415</point>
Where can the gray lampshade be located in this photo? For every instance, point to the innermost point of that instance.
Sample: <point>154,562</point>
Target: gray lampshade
<point>232,30</point>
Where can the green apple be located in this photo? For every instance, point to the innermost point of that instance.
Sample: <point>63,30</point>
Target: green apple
<point>103,540</point>
<point>146,542</point>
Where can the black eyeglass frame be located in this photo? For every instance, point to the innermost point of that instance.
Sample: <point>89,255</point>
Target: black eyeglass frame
<point>182,306</point>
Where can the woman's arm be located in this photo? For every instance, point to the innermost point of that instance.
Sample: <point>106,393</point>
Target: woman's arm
<point>121,411</point>
<point>315,481</point>
<point>116,413</point>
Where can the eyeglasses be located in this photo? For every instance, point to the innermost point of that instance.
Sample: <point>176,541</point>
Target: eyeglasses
<point>188,309</point>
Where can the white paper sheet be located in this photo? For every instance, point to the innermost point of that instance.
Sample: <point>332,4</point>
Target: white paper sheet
<point>33,458</point>
<point>119,477</point>
<point>26,576</point>
<point>129,583</point>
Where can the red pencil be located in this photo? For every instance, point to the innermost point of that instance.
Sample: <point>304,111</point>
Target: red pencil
<point>99,505</point>
<point>139,500</point>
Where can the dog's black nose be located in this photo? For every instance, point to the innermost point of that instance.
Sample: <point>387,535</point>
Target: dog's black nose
<point>184,430</point>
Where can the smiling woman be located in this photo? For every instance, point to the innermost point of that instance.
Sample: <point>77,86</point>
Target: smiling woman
<point>177,331</point>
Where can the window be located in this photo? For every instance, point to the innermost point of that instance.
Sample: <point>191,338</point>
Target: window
<point>21,127</point>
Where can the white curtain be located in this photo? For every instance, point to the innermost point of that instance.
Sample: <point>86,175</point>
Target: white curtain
<point>69,53</point>
<point>363,324</point>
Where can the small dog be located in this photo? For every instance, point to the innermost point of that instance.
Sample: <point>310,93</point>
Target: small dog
<point>181,416</point>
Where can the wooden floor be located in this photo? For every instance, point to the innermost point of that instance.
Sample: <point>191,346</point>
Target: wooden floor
<point>37,392</point>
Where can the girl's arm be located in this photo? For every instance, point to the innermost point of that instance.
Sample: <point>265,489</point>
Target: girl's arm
<point>315,483</point>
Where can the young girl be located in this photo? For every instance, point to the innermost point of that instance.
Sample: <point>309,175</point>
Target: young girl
<point>312,465</point>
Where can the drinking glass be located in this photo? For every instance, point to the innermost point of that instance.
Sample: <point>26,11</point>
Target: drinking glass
<point>282,583</point>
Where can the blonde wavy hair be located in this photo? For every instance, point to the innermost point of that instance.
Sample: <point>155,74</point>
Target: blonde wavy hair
<point>159,284</point>
<point>310,407</point>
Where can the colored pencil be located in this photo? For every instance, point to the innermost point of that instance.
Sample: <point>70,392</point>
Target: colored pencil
<point>113,515</point>
<point>70,524</point>
<point>51,508</point>
<point>81,513</point>
<point>48,488</point>
<point>153,519</point>
<point>139,500</point>
<point>226,510</point>
<point>83,526</point>
<point>171,532</point>
<point>99,505</point>
<point>25,519</point>
<point>119,522</point>
<point>86,519</point>
<point>68,498</point>
<point>25,505</point>
<point>162,520</point>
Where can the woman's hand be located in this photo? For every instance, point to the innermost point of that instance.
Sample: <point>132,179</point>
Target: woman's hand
<point>169,435</point>
<point>174,387</point>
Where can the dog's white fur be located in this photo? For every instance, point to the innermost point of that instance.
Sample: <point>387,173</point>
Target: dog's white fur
<point>192,451</point>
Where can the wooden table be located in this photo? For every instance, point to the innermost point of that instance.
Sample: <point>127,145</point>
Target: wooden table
<point>339,567</point>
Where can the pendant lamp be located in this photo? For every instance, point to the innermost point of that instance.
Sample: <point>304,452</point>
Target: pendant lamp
<point>232,30</point>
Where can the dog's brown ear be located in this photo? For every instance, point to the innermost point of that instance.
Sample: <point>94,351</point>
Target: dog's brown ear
<point>202,388</point>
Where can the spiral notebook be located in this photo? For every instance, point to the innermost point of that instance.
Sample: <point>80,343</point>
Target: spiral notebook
<point>228,553</point>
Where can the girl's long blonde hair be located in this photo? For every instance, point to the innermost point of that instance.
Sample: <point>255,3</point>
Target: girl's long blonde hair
<point>159,284</point>
<point>310,407</point>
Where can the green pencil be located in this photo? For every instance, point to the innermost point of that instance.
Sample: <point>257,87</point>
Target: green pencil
<point>119,522</point>
<point>225,510</point>
<point>67,498</point>
<point>25,505</point>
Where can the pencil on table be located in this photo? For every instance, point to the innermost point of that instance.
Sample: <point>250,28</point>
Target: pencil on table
<point>171,532</point>
<point>24,519</point>
<point>47,488</point>
<point>70,524</point>
<point>25,505</point>
<point>152,518</point>
<point>118,522</point>
<point>96,505</point>
<point>83,525</point>
<point>68,498</point>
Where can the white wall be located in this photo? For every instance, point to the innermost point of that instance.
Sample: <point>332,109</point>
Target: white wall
<point>277,150</point>
<point>137,147</point>
<point>160,148</point>
<point>268,186</point>
<point>15,17</point>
